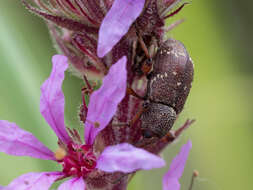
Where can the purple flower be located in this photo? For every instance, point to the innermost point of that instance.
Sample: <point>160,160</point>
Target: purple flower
<point>79,161</point>
<point>117,23</point>
<point>104,101</point>
<point>170,179</point>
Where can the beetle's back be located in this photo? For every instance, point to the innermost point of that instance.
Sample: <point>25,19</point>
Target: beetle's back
<point>172,75</point>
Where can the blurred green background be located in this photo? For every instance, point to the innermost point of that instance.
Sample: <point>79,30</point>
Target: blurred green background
<point>218,36</point>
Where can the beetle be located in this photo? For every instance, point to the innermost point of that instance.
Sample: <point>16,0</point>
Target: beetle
<point>168,86</point>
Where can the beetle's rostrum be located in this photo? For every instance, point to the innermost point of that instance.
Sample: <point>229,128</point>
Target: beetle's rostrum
<point>168,86</point>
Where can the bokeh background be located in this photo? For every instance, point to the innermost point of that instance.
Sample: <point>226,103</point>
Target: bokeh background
<point>218,36</point>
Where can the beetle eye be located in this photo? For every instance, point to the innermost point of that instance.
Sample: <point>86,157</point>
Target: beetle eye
<point>147,134</point>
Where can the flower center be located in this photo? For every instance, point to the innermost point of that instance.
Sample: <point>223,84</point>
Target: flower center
<point>79,160</point>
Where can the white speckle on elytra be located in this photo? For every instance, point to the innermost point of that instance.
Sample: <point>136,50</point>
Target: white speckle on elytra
<point>174,73</point>
<point>191,59</point>
<point>179,83</point>
<point>166,75</point>
<point>185,87</point>
<point>176,54</point>
<point>181,53</point>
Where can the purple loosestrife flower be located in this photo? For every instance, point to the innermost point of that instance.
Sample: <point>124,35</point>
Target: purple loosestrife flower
<point>170,179</point>
<point>87,167</point>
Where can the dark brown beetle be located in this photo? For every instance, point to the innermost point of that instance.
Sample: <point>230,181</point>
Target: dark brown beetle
<point>168,86</point>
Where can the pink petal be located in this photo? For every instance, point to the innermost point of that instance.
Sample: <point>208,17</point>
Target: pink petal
<point>52,98</point>
<point>117,23</point>
<point>104,101</point>
<point>18,142</point>
<point>171,178</point>
<point>32,181</point>
<point>127,158</point>
<point>73,184</point>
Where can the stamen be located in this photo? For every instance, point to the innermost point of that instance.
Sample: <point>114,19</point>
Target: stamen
<point>79,160</point>
<point>96,124</point>
<point>60,153</point>
<point>194,176</point>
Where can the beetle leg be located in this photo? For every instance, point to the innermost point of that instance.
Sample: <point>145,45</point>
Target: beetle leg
<point>146,66</point>
<point>134,119</point>
<point>169,137</point>
<point>143,46</point>
<point>133,93</point>
<point>137,116</point>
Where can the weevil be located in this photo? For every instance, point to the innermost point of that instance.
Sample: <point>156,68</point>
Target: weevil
<point>168,86</point>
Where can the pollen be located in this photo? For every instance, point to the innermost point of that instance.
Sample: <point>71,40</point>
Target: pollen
<point>60,153</point>
<point>96,124</point>
<point>195,173</point>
